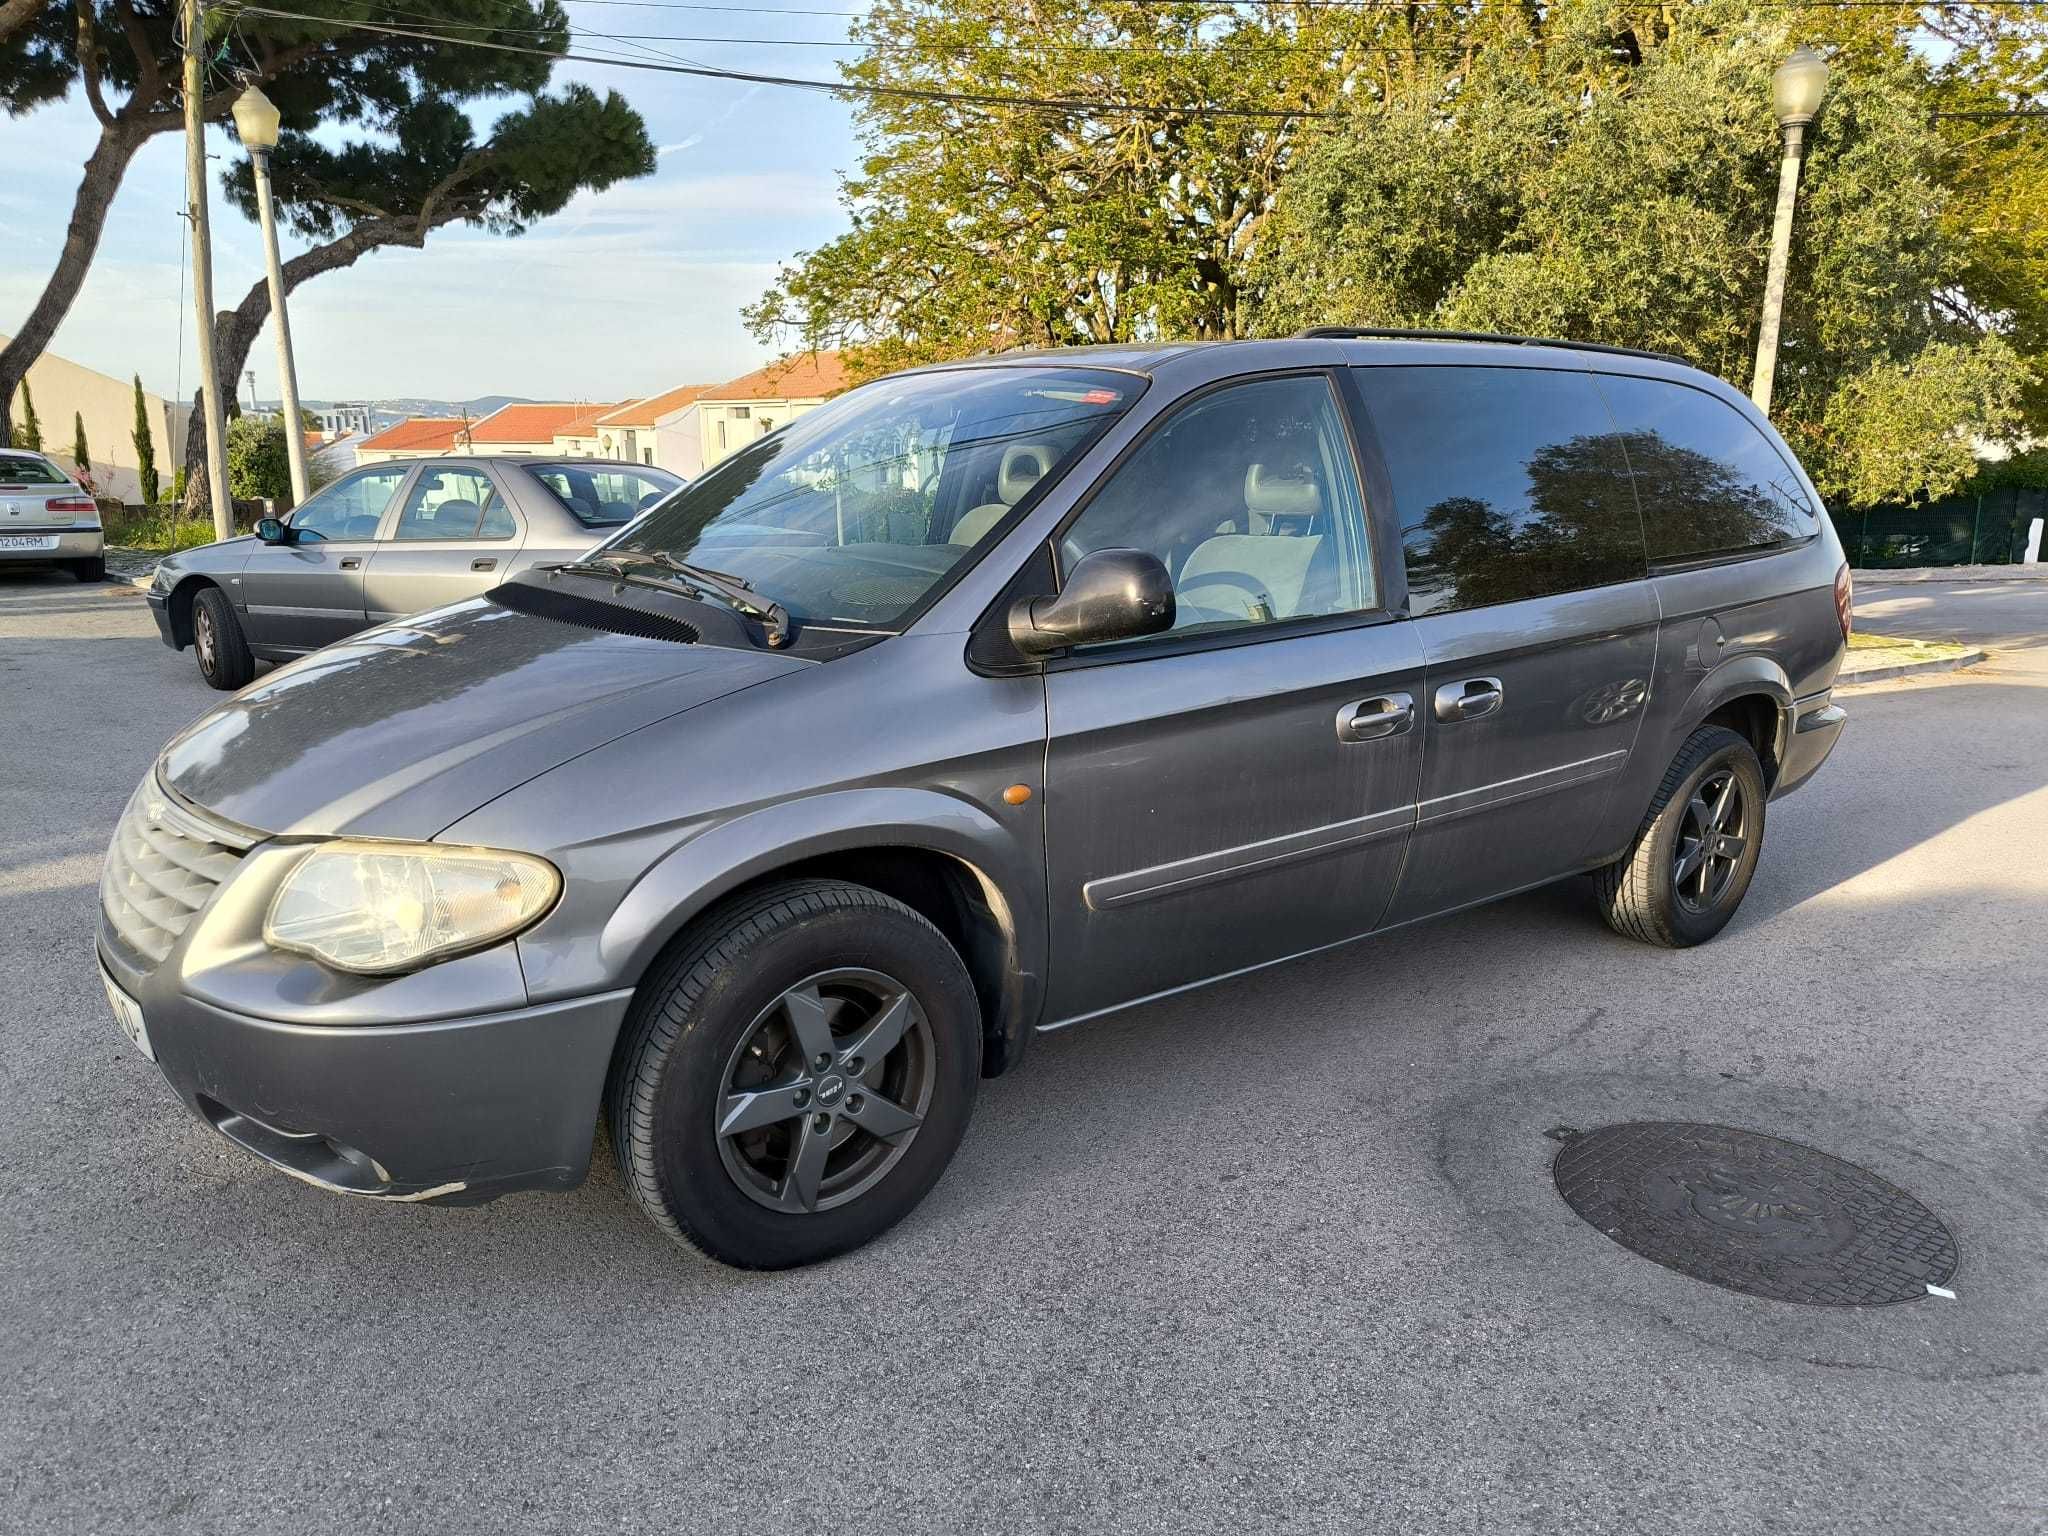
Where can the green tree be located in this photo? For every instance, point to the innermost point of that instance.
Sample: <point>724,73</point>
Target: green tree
<point>1640,217</point>
<point>259,463</point>
<point>81,455</point>
<point>428,170</point>
<point>31,432</point>
<point>145,449</point>
<point>122,58</point>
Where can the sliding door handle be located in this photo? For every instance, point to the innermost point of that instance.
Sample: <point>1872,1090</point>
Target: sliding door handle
<point>1370,719</point>
<point>1473,699</point>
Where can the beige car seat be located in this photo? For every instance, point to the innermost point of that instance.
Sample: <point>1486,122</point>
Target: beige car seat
<point>1282,568</point>
<point>1023,466</point>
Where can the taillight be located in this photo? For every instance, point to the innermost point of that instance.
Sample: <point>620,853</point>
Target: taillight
<point>1845,599</point>
<point>72,504</point>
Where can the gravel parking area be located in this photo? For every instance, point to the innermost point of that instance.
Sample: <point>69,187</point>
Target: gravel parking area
<point>1283,1255</point>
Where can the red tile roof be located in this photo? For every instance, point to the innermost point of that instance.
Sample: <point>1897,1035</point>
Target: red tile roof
<point>416,434</point>
<point>806,376</point>
<point>645,413</point>
<point>586,424</point>
<point>534,422</point>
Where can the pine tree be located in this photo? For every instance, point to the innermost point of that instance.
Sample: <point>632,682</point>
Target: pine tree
<point>145,449</point>
<point>31,428</point>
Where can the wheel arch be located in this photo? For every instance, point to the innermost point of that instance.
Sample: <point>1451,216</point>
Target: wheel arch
<point>178,607</point>
<point>1751,696</point>
<point>944,858</point>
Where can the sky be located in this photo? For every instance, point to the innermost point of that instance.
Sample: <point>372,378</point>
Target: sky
<point>623,294</point>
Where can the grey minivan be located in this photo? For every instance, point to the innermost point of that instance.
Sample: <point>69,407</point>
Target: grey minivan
<point>982,701</point>
<point>382,541</point>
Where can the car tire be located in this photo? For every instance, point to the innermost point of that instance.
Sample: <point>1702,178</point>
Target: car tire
<point>1682,878</point>
<point>722,1035</point>
<point>217,639</point>
<point>94,569</point>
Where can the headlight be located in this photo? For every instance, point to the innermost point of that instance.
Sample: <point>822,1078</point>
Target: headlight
<point>377,908</point>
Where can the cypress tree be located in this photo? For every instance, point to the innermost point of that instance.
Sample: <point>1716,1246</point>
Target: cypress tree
<point>145,449</point>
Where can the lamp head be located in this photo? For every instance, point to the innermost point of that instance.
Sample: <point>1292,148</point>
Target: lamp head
<point>1798,86</point>
<point>256,121</point>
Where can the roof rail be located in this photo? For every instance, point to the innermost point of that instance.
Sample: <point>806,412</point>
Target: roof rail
<point>1361,332</point>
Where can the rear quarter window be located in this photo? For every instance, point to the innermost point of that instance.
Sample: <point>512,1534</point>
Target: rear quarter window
<point>1509,483</point>
<point>1709,482</point>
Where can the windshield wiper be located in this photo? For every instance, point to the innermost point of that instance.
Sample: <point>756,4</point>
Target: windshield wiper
<point>690,580</point>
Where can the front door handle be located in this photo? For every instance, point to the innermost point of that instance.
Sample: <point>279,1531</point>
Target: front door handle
<point>1370,719</point>
<point>485,563</point>
<point>1473,699</point>
<point>351,562</point>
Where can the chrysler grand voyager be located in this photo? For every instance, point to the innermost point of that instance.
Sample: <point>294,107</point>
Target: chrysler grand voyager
<point>982,701</point>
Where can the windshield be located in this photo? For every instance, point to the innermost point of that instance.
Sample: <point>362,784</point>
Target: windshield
<point>857,510</point>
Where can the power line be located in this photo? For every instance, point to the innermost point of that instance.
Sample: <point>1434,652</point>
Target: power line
<point>798,82</point>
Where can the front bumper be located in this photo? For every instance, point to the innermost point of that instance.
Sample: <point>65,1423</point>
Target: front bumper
<point>72,544</point>
<point>455,1111</point>
<point>160,610</point>
<point>1817,723</point>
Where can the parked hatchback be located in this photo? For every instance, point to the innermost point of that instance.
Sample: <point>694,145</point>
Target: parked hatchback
<point>383,541</point>
<point>48,518</point>
<point>980,702</point>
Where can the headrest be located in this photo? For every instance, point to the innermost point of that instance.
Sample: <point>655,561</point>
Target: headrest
<point>457,509</point>
<point>1024,465</point>
<point>1274,495</point>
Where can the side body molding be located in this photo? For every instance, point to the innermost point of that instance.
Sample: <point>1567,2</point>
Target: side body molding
<point>729,854</point>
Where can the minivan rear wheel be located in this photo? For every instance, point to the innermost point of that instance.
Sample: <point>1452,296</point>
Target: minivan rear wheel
<point>795,1075</point>
<point>1692,859</point>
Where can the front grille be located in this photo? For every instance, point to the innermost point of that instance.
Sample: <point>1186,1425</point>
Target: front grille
<point>164,863</point>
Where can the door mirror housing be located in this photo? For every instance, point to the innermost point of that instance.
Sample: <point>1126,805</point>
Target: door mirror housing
<point>272,531</point>
<point>1112,594</point>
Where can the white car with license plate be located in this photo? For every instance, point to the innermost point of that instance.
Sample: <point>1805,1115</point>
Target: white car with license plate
<point>48,518</point>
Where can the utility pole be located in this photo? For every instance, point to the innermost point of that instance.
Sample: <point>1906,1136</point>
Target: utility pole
<point>202,270</point>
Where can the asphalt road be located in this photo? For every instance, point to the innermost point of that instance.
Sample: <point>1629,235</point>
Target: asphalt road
<point>1284,1255</point>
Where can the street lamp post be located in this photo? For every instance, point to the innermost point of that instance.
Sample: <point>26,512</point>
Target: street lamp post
<point>256,121</point>
<point>1796,91</point>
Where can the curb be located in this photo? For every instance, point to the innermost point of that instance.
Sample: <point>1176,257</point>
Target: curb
<point>1909,669</point>
<point>1877,576</point>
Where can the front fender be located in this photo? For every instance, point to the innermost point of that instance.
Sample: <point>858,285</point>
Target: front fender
<point>697,873</point>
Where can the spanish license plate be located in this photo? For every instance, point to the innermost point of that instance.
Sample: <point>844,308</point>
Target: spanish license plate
<point>28,541</point>
<point>127,1014</point>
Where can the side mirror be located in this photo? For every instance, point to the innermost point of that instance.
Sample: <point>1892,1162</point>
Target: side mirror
<point>271,531</point>
<point>1113,594</point>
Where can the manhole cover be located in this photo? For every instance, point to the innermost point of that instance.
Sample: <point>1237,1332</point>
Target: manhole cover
<point>1755,1214</point>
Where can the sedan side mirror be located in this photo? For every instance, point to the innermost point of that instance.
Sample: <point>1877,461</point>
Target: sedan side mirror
<point>271,531</point>
<point>1112,594</point>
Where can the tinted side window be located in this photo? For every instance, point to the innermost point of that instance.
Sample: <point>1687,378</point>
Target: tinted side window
<point>1709,482</point>
<point>1509,483</point>
<point>1249,497</point>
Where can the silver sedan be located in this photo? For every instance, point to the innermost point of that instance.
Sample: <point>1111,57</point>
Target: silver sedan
<point>384,541</point>
<point>47,517</point>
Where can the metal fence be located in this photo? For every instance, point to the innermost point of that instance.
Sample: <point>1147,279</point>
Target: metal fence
<point>1990,529</point>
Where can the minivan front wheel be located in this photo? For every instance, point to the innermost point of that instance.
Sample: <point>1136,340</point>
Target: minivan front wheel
<point>796,1075</point>
<point>1693,857</point>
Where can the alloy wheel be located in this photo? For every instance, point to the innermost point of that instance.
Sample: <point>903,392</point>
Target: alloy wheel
<point>825,1091</point>
<point>203,637</point>
<point>1712,838</point>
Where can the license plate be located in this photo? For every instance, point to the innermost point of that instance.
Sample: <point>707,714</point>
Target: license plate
<point>28,541</point>
<point>127,1014</point>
